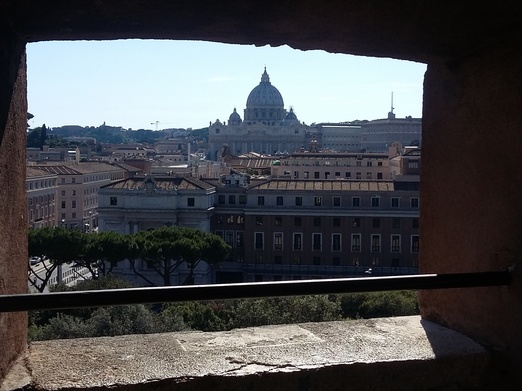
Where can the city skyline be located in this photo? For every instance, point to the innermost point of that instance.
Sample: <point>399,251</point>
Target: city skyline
<point>181,84</point>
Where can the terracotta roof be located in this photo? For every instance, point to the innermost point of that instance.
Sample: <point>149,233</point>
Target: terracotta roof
<point>33,172</point>
<point>127,167</point>
<point>60,170</point>
<point>250,162</point>
<point>162,183</point>
<point>325,185</point>
<point>78,169</point>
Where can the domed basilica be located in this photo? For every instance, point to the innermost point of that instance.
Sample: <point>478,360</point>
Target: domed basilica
<point>267,127</point>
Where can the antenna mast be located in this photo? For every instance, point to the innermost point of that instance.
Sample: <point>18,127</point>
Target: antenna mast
<point>390,114</point>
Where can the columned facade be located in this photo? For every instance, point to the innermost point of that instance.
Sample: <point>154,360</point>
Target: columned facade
<point>267,128</point>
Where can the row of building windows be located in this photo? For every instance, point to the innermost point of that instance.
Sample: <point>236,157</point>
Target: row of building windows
<point>101,177</point>
<point>191,201</point>
<point>40,213</point>
<point>375,202</point>
<point>334,261</point>
<point>345,163</point>
<point>237,239</point>
<point>337,174</point>
<point>41,199</point>
<point>317,221</point>
<point>41,184</point>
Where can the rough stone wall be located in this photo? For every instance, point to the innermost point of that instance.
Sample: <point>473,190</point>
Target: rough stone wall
<point>471,187</point>
<point>13,231</point>
<point>471,191</point>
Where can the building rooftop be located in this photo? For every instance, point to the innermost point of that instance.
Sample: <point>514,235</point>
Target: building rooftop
<point>33,172</point>
<point>325,185</point>
<point>162,183</point>
<point>78,169</point>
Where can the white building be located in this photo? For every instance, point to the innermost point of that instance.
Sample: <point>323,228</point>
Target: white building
<point>267,127</point>
<point>141,203</point>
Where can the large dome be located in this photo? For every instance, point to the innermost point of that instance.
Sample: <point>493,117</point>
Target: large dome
<point>265,95</point>
<point>265,103</point>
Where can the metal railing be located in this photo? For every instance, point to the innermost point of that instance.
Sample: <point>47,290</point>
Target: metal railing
<point>100,298</point>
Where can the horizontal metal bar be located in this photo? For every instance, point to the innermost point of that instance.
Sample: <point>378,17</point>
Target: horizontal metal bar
<point>100,298</point>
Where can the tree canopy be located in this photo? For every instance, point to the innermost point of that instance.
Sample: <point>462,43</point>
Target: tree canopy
<point>164,250</point>
<point>37,137</point>
<point>56,246</point>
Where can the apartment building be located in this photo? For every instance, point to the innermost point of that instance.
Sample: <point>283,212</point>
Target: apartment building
<point>407,163</point>
<point>377,135</point>
<point>293,229</point>
<point>333,165</point>
<point>279,228</point>
<point>340,137</point>
<point>77,191</point>
<point>41,194</point>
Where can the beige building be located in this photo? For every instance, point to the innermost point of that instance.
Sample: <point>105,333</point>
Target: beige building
<point>77,191</point>
<point>41,193</point>
<point>378,135</point>
<point>331,165</point>
<point>407,164</point>
<point>339,137</point>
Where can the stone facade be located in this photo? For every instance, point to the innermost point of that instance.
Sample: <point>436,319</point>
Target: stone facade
<point>378,135</point>
<point>278,228</point>
<point>268,128</point>
<point>77,191</point>
<point>323,165</point>
<point>142,203</point>
<point>296,229</point>
<point>42,194</point>
<point>339,137</point>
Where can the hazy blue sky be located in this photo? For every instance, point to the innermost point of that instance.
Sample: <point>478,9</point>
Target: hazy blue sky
<point>184,84</point>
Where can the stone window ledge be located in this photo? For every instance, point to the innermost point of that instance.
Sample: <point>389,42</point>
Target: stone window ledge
<point>403,353</point>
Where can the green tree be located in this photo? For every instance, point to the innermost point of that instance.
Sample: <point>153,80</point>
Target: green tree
<point>192,315</point>
<point>282,310</point>
<point>104,250</point>
<point>165,249</point>
<point>43,136</point>
<point>120,320</point>
<point>33,138</point>
<point>379,304</point>
<point>56,245</point>
<point>37,137</point>
<point>94,322</point>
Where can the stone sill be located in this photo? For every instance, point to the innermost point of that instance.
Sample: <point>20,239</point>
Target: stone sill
<point>403,353</point>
